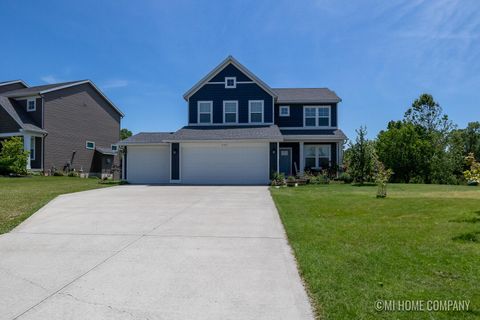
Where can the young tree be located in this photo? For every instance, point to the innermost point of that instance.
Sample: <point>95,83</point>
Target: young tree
<point>125,133</point>
<point>360,158</point>
<point>13,158</point>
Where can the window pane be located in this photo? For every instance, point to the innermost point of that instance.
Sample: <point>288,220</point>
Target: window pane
<point>230,117</point>
<point>323,112</point>
<point>230,107</point>
<point>309,112</point>
<point>309,162</point>
<point>205,118</point>
<point>255,117</point>
<point>323,151</point>
<point>309,151</point>
<point>205,107</point>
<point>324,122</point>
<point>323,162</point>
<point>256,106</point>
<point>284,111</point>
<point>310,122</point>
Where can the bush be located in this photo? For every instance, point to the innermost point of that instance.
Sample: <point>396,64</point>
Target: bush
<point>72,174</point>
<point>320,179</point>
<point>58,174</point>
<point>13,158</point>
<point>345,177</point>
<point>278,179</point>
<point>473,175</point>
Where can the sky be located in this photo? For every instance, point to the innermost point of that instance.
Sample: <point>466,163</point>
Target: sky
<point>378,56</point>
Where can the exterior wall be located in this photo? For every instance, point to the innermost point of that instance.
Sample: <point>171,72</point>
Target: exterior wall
<point>36,115</point>
<point>7,124</point>
<point>11,87</point>
<point>296,114</point>
<point>242,93</point>
<point>273,158</point>
<point>175,158</point>
<point>37,163</point>
<point>72,116</point>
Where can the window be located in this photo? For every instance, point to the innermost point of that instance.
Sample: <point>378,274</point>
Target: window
<point>90,145</point>
<point>230,82</point>
<point>284,111</point>
<point>31,105</point>
<point>32,148</point>
<point>317,156</point>
<point>114,147</point>
<point>230,111</point>
<point>204,111</point>
<point>316,116</point>
<point>255,111</point>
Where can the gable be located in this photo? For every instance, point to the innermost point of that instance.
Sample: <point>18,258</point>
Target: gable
<point>232,68</point>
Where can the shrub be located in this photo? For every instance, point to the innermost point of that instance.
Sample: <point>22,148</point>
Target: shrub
<point>58,174</point>
<point>72,174</point>
<point>473,175</point>
<point>345,177</point>
<point>13,158</point>
<point>278,179</point>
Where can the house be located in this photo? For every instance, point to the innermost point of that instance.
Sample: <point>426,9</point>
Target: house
<point>65,126</point>
<point>240,131</point>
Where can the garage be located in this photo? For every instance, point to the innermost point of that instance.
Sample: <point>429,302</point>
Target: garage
<point>224,163</point>
<point>148,164</point>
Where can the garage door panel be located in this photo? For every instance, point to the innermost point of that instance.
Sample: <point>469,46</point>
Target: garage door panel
<point>225,163</point>
<point>148,164</point>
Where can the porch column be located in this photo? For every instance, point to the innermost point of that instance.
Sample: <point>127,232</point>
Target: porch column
<point>27,139</point>
<point>302,160</point>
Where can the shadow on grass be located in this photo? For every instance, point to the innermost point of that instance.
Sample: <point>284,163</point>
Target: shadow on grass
<point>470,220</point>
<point>468,237</point>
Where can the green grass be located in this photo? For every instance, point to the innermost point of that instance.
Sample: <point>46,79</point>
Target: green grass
<point>421,242</point>
<point>21,197</point>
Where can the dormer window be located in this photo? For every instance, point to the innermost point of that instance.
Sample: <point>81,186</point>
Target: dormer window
<point>31,105</point>
<point>230,82</point>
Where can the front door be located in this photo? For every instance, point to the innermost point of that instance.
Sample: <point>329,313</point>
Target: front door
<point>285,161</point>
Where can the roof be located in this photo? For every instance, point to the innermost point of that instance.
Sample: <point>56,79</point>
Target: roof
<point>147,138</point>
<point>220,133</point>
<point>39,90</point>
<point>20,116</point>
<point>229,60</point>
<point>320,134</point>
<point>306,95</point>
<point>106,151</point>
<point>5,83</point>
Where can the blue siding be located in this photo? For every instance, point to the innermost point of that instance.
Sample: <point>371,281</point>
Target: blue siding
<point>230,71</point>
<point>296,115</point>
<point>218,93</point>
<point>273,158</point>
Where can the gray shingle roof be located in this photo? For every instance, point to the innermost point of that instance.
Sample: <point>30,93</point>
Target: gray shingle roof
<point>19,115</point>
<point>36,90</point>
<point>306,95</point>
<point>199,133</point>
<point>147,138</point>
<point>335,134</point>
<point>106,151</point>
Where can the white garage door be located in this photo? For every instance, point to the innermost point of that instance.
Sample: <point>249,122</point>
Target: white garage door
<point>224,163</point>
<point>148,164</point>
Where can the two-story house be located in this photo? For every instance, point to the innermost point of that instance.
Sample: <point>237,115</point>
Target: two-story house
<point>64,126</point>
<point>240,131</point>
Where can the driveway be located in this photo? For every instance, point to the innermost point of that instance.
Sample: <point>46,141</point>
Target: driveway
<point>152,252</point>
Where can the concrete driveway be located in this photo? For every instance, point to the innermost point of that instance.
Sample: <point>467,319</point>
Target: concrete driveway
<point>152,252</point>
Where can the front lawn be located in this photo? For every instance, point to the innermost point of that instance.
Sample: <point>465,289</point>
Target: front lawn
<point>420,243</point>
<point>21,197</point>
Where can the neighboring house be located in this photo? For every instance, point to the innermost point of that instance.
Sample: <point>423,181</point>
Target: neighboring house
<point>240,131</point>
<point>69,125</point>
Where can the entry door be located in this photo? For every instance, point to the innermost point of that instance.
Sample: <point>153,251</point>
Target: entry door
<point>286,161</point>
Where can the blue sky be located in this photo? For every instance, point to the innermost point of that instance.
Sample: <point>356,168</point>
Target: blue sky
<point>377,55</point>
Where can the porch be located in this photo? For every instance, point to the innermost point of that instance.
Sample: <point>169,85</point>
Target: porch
<point>33,143</point>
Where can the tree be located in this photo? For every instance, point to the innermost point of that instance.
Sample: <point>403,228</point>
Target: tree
<point>125,133</point>
<point>360,158</point>
<point>473,175</point>
<point>13,158</point>
<point>425,112</point>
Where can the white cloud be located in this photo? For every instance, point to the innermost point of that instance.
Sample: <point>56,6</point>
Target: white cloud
<point>50,79</point>
<point>115,83</point>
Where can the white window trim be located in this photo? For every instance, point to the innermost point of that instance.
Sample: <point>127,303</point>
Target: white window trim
<point>114,145</point>
<point>198,112</point>
<point>317,164</point>
<point>234,82</point>
<point>33,150</point>
<point>280,111</point>
<point>34,104</point>
<point>236,111</point>
<point>316,116</point>
<point>250,111</point>
<point>87,147</point>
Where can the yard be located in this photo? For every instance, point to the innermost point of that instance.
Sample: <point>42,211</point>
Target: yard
<point>420,243</point>
<point>21,197</point>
